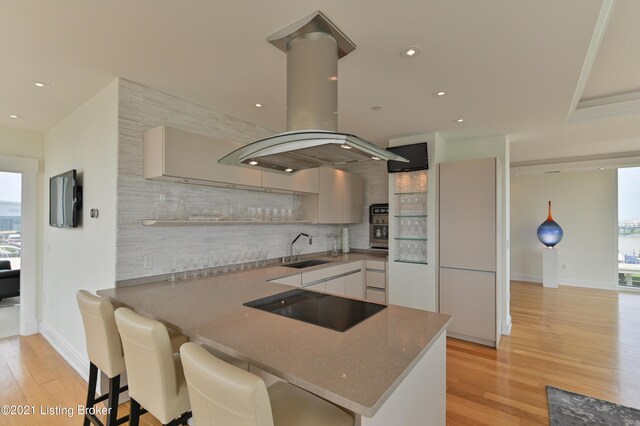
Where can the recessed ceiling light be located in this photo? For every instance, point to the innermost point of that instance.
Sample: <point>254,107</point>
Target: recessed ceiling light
<point>440,93</point>
<point>375,158</point>
<point>345,146</point>
<point>253,163</point>
<point>458,120</point>
<point>410,52</point>
<point>600,168</point>
<point>376,108</point>
<point>333,78</point>
<point>40,84</point>
<point>288,170</point>
<point>15,116</point>
<point>258,105</point>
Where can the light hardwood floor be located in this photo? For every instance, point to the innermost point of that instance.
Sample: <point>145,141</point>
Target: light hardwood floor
<point>577,339</point>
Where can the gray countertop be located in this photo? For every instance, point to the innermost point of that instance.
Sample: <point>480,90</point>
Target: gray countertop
<point>357,369</point>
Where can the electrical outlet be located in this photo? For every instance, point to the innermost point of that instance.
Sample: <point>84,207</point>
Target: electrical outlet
<point>147,262</point>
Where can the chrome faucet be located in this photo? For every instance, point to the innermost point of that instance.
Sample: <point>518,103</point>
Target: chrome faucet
<point>294,241</point>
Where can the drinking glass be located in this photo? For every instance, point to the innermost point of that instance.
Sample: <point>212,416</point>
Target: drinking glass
<point>215,262</point>
<point>195,262</point>
<point>263,256</point>
<point>204,261</point>
<point>185,266</point>
<point>173,266</point>
<point>226,258</point>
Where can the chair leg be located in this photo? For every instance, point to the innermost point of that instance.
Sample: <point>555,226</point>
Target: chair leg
<point>182,420</point>
<point>114,397</point>
<point>134,416</point>
<point>91,391</point>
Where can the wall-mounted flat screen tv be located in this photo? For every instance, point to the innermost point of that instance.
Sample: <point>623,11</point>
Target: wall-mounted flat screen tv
<point>65,200</point>
<point>416,154</point>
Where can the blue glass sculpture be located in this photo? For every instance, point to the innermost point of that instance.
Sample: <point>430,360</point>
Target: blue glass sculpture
<point>549,232</point>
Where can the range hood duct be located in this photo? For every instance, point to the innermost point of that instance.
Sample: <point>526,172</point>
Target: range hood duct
<point>313,47</point>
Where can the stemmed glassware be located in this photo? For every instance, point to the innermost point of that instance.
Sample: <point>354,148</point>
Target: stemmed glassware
<point>185,266</point>
<point>173,265</point>
<point>205,261</point>
<point>195,262</point>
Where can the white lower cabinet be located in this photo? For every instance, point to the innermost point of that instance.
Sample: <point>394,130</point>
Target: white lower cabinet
<point>293,280</point>
<point>317,287</point>
<point>335,286</point>
<point>376,296</point>
<point>376,281</point>
<point>354,285</point>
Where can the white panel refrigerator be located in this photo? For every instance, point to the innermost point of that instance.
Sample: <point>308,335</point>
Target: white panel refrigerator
<point>468,248</point>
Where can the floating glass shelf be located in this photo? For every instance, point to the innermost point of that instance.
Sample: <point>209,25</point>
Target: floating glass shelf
<point>411,261</point>
<point>410,215</point>
<point>411,238</point>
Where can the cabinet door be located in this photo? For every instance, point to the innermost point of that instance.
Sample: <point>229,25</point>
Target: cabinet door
<point>376,279</point>
<point>293,280</point>
<point>468,214</point>
<point>352,199</point>
<point>335,286</point>
<point>354,285</point>
<point>317,287</point>
<point>302,181</point>
<point>194,156</point>
<point>331,188</point>
<point>376,296</point>
<point>322,273</point>
<point>470,296</point>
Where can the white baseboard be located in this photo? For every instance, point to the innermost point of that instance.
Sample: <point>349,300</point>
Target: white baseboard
<point>602,285</point>
<point>75,360</point>
<point>29,327</point>
<point>527,278</point>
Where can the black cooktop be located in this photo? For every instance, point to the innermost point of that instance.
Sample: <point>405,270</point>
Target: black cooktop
<point>326,310</point>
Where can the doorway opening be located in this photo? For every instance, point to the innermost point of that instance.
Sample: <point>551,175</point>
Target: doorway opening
<point>10,252</point>
<point>629,227</point>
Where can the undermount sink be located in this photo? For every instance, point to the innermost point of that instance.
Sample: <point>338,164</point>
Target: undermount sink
<point>306,263</point>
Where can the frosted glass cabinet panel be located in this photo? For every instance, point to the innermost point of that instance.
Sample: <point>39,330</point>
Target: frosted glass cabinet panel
<point>410,216</point>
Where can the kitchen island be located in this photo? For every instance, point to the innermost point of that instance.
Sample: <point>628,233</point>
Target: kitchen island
<point>388,369</point>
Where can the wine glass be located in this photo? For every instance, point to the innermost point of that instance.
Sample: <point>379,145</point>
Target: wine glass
<point>185,266</point>
<point>225,262</point>
<point>195,262</point>
<point>205,261</point>
<point>173,267</point>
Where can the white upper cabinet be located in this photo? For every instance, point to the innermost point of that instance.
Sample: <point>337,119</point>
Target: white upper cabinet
<point>178,155</point>
<point>339,198</point>
<point>302,181</point>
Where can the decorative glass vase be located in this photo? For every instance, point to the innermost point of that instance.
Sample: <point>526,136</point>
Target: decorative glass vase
<point>549,232</point>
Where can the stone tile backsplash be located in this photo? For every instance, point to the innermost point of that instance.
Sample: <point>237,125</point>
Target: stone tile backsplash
<point>141,108</point>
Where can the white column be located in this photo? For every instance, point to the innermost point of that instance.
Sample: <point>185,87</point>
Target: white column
<point>550,268</point>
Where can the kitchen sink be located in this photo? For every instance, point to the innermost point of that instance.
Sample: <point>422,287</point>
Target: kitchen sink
<point>306,263</point>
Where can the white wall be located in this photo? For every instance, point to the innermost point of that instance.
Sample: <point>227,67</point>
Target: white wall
<point>585,205</point>
<point>29,144</point>
<point>84,257</point>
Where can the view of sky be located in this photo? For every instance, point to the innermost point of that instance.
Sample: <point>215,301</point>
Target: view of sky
<point>10,186</point>
<point>629,193</point>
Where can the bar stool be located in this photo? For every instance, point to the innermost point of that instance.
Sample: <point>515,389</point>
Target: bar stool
<point>156,379</point>
<point>222,394</point>
<point>105,354</point>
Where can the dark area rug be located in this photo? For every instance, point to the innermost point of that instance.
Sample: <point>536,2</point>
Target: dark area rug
<point>568,409</point>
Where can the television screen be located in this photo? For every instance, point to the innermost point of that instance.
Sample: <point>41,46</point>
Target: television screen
<point>416,154</point>
<point>64,200</point>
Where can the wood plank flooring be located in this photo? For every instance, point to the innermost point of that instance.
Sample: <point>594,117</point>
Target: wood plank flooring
<point>582,340</point>
<point>577,339</point>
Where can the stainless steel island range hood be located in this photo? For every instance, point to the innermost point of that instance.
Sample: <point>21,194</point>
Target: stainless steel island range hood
<point>313,46</point>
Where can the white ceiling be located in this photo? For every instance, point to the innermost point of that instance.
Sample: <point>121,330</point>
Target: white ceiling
<point>511,67</point>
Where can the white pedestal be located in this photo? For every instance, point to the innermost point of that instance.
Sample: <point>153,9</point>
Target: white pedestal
<point>550,268</point>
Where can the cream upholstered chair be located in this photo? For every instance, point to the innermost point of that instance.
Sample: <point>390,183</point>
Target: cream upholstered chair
<point>105,353</point>
<point>222,394</point>
<point>156,380</point>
